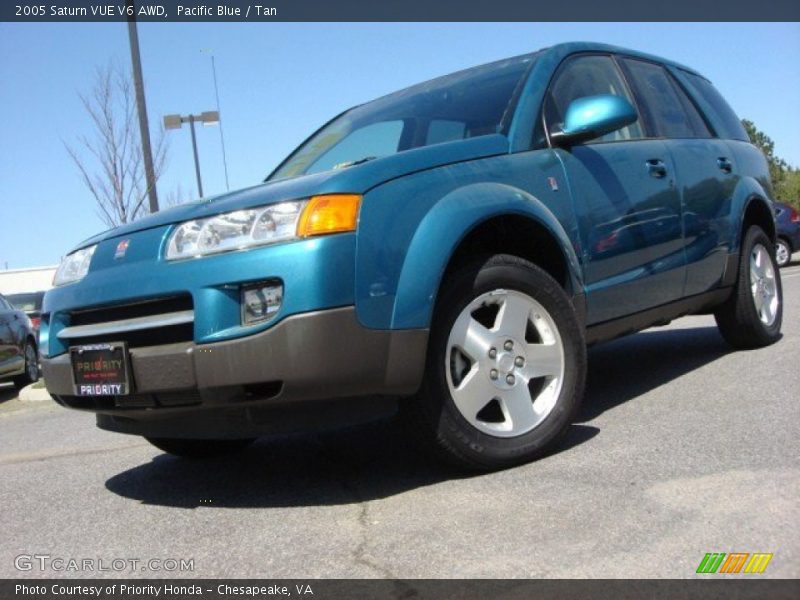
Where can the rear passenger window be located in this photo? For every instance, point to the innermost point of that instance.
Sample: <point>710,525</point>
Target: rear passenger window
<point>588,76</point>
<point>665,107</point>
<point>722,117</point>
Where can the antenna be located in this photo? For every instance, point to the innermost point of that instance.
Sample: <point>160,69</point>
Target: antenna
<point>221,134</point>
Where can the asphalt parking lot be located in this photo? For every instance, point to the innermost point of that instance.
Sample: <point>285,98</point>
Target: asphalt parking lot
<point>682,447</point>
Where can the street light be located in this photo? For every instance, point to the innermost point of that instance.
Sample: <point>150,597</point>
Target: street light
<point>207,118</point>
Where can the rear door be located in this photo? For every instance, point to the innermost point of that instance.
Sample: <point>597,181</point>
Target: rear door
<point>625,200</point>
<point>704,168</point>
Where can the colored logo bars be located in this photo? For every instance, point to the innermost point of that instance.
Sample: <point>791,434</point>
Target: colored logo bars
<point>736,562</point>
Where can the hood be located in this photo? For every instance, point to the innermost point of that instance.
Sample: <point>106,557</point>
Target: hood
<point>358,179</point>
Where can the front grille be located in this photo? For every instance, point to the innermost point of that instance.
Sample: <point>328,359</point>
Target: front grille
<point>145,308</point>
<point>144,337</point>
<point>147,323</point>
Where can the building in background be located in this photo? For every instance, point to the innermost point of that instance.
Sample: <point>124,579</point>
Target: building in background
<point>35,279</point>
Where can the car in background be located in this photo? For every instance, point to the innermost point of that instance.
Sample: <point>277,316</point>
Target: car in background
<point>31,304</point>
<point>787,220</point>
<point>19,360</point>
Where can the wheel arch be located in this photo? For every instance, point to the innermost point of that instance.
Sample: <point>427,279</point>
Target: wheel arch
<point>490,218</point>
<point>757,212</point>
<point>518,235</point>
<point>751,206</point>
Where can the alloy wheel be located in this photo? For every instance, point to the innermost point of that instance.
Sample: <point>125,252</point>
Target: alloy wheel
<point>763,285</point>
<point>505,363</point>
<point>782,254</point>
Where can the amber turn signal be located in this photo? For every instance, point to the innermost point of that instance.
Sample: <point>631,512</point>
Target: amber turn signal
<point>332,213</point>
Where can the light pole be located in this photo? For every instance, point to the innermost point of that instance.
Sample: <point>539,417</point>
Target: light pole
<point>141,109</point>
<point>206,118</point>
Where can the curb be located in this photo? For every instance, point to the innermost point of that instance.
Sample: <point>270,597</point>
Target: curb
<point>29,394</point>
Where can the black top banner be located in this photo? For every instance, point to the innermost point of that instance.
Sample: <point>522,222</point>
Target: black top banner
<point>264,11</point>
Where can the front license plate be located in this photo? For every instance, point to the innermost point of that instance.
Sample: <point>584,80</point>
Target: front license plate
<point>100,370</point>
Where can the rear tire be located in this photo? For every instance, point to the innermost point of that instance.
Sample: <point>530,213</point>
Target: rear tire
<point>783,253</point>
<point>752,315</point>
<point>31,373</point>
<point>196,449</point>
<point>506,366</point>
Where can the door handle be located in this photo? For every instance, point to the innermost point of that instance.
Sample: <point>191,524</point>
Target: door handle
<point>656,168</point>
<point>725,165</point>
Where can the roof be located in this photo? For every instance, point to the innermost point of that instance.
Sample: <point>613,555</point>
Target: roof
<point>567,48</point>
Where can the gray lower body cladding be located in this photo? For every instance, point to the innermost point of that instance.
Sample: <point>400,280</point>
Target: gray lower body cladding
<point>309,367</point>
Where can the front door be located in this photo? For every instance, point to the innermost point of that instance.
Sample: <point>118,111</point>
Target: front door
<point>625,200</point>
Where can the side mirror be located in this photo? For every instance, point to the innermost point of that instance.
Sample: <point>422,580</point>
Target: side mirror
<point>591,117</point>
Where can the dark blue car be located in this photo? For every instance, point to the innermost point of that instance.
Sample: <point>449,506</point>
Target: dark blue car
<point>788,221</point>
<point>454,246</point>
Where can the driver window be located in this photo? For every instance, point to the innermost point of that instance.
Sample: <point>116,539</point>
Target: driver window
<point>588,76</point>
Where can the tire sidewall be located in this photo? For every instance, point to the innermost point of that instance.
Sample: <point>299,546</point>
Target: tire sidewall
<point>510,273</point>
<point>24,378</point>
<point>35,377</point>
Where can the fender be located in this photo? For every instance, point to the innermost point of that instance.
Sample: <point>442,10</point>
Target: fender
<point>443,228</point>
<point>753,187</point>
<point>748,190</point>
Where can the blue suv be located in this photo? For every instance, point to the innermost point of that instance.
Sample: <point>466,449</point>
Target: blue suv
<point>452,247</point>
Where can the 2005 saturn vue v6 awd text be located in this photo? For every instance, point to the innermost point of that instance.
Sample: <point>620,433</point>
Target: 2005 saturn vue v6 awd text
<point>452,248</point>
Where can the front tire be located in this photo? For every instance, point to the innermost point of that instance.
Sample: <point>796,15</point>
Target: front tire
<point>31,373</point>
<point>197,449</point>
<point>783,252</point>
<point>505,369</point>
<point>752,315</point>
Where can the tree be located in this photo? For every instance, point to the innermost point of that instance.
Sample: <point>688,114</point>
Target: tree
<point>176,197</point>
<point>785,179</point>
<point>110,161</point>
<point>788,190</point>
<point>764,143</point>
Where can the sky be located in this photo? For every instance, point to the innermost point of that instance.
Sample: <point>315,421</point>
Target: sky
<point>278,82</point>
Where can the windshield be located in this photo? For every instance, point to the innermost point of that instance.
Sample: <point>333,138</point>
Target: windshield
<point>471,103</point>
<point>26,302</point>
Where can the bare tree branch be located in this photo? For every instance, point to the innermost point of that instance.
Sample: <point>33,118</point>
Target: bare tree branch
<point>110,161</point>
<point>177,196</point>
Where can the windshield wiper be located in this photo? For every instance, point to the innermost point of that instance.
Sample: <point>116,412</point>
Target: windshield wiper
<point>352,163</point>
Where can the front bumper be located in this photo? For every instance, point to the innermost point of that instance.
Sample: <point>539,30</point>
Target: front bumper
<point>229,388</point>
<point>317,274</point>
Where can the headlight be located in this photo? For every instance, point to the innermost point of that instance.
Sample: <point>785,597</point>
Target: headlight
<point>74,267</point>
<point>265,225</point>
